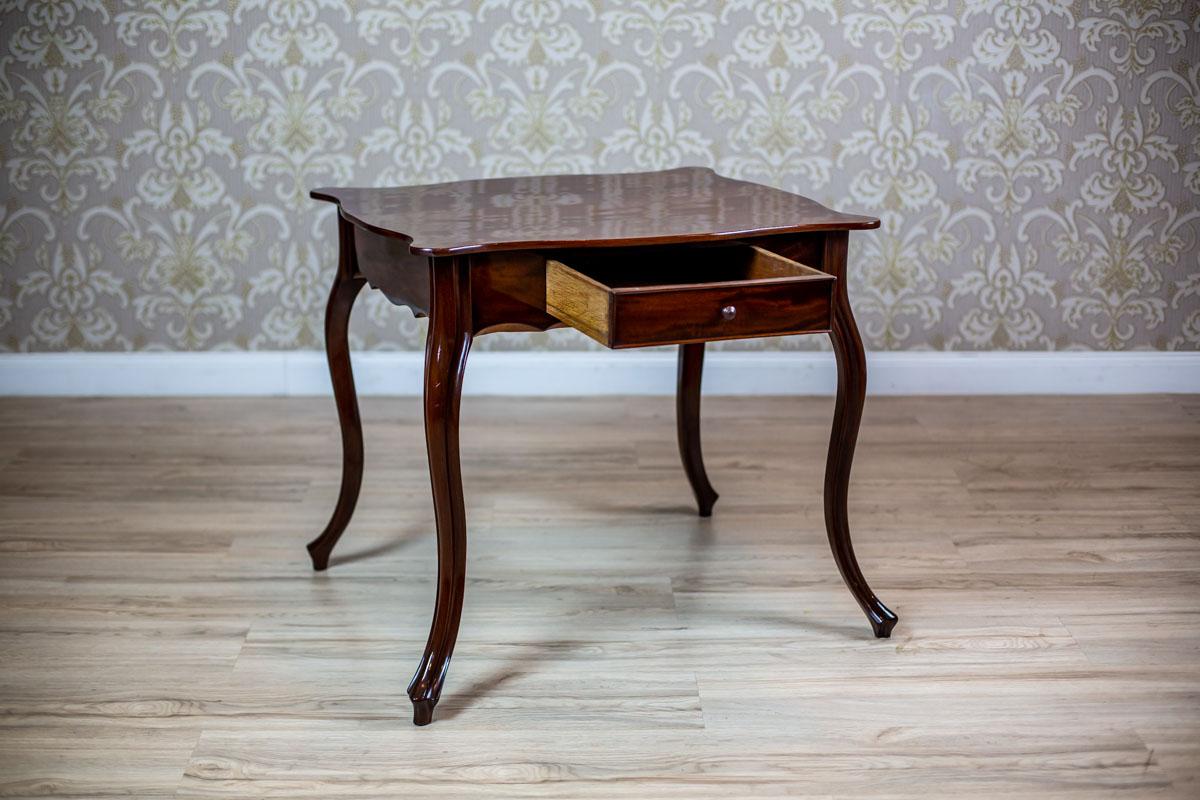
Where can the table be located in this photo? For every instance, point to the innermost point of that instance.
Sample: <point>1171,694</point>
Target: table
<point>681,256</point>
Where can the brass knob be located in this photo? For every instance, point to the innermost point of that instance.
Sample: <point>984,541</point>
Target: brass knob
<point>728,312</point>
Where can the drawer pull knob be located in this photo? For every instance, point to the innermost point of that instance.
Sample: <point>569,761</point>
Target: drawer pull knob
<point>728,312</point>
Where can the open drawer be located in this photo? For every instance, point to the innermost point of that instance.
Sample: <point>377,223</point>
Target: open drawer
<point>670,295</point>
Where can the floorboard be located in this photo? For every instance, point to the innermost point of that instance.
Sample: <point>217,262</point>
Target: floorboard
<point>162,634</point>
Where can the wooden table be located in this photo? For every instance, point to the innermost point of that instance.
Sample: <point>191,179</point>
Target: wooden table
<point>683,257</point>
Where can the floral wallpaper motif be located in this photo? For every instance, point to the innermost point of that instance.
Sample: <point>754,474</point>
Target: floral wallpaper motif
<point>1036,163</point>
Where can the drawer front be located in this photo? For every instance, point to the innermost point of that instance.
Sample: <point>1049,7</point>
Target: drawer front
<point>652,297</point>
<point>735,312</point>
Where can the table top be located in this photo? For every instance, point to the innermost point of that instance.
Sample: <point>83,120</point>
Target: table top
<point>689,204</point>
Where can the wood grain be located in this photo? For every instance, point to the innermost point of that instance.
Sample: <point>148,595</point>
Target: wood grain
<point>582,301</point>
<point>675,206</point>
<point>162,634</point>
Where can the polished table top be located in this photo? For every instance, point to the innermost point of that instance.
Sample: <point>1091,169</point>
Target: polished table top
<point>689,204</point>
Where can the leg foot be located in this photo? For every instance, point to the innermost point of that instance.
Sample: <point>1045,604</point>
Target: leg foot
<point>423,711</point>
<point>346,287</point>
<point>687,421</point>
<point>847,414</point>
<point>446,348</point>
<point>319,555</point>
<point>882,620</point>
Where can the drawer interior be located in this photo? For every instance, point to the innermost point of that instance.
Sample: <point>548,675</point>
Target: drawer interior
<point>658,268</point>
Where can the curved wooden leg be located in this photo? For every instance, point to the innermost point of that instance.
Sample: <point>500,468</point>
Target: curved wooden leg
<point>847,414</point>
<point>446,348</point>
<point>337,350</point>
<point>687,421</point>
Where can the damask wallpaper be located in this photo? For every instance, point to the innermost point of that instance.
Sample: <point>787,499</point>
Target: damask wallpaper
<point>1036,163</point>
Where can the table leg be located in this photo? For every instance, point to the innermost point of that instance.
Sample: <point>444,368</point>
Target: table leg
<point>446,348</point>
<point>346,286</point>
<point>687,421</point>
<point>847,414</point>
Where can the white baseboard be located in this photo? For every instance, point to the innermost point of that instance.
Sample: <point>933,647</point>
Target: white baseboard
<point>593,373</point>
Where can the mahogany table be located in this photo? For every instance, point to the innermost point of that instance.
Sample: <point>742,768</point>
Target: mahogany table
<point>683,256</point>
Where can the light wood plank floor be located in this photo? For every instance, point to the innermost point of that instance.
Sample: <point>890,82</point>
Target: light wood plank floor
<point>161,634</point>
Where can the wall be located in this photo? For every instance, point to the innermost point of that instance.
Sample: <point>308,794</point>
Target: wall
<point>1036,163</point>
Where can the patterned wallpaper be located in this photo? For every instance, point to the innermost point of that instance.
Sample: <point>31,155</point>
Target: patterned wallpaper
<point>1036,163</point>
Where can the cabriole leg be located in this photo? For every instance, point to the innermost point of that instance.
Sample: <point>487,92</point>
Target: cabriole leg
<point>446,348</point>
<point>687,421</point>
<point>847,414</point>
<point>346,286</point>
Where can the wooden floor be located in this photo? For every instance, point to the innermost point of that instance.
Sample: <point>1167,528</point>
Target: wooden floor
<point>162,635</point>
